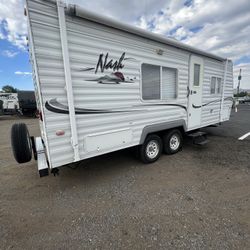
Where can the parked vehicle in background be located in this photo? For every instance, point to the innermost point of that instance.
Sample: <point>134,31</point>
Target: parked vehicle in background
<point>244,99</point>
<point>9,103</point>
<point>27,102</point>
<point>22,103</point>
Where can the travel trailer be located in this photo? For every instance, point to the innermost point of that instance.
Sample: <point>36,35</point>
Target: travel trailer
<point>102,85</point>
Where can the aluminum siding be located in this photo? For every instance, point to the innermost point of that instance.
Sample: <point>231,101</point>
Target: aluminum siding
<point>36,82</point>
<point>47,48</point>
<point>228,90</point>
<point>211,112</point>
<point>87,40</point>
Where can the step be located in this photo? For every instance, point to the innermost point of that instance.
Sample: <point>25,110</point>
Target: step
<point>197,134</point>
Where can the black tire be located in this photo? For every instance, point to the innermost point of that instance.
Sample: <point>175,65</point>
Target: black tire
<point>144,149</point>
<point>21,144</point>
<point>168,140</point>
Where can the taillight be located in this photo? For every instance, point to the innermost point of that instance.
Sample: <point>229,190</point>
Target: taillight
<point>40,115</point>
<point>60,132</point>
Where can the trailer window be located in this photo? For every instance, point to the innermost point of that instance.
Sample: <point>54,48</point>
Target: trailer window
<point>151,83</point>
<point>215,87</point>
<point>218,85</point>
<point>169,80</point>
<point>197,68</point>
<point>213,83</point>
<point>158,83</point>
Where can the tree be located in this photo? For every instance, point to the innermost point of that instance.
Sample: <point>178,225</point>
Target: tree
<point>9,89</point>
<point>241,94</point>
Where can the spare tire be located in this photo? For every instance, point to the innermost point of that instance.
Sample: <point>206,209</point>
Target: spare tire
<point>21,143</point>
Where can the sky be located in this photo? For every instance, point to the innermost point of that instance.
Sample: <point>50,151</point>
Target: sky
<point>217,26</point>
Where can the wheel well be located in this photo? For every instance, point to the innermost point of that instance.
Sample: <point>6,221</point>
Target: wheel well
<point>162,132</point>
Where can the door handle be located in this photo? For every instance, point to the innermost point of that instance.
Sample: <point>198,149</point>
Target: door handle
<point>193,92</point>
<point>188,91</point>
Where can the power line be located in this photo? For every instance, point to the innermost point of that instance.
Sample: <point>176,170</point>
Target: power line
<point>239,79</point>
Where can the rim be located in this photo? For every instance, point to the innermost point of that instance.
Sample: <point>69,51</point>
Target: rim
<point>174,142</point>
<point>152,149</point>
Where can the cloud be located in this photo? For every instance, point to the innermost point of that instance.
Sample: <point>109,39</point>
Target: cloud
<point>9,53</point>
<point>13,22</point>
<point>204,25</point>
<point>213,26</point>
<point>23,73</point>
<point>225,27</point>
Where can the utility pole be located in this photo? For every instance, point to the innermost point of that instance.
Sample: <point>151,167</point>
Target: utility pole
<point>239,78</point>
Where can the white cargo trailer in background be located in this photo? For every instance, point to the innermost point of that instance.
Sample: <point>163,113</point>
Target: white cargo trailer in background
<point>102,85</point>
<point>9,103</point>
<point>22,103</point>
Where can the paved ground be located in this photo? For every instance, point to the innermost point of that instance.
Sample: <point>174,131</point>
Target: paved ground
<point>196,199</point>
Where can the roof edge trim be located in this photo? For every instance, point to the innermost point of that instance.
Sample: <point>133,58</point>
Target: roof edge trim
<point>75,10</point>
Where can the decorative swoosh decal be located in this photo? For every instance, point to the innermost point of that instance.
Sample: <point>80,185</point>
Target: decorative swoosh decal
<point>87,69</point>
<point>54,106</point>
<point>218,100</point>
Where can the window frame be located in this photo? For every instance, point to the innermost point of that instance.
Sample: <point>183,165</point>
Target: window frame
<point>216,85</point>
<point>161,66</point>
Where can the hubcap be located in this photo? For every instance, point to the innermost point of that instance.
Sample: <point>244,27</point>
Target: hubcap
<point>174,142</point>
<point>152,149</point>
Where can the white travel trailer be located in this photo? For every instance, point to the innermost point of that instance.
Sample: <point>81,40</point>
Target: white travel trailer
<point>102,85</point>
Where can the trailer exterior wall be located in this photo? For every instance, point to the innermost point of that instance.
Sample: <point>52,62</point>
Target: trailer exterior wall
<point>211,113</point>
<point>99,133</point>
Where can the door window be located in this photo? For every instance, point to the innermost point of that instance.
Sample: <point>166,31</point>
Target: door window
<point>197,68</point>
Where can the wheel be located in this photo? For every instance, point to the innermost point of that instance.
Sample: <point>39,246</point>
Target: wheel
<point>21,144</point>
<point>172,141</point>
<point>151,149</point>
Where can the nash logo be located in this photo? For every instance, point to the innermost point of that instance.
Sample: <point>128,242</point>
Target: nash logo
<point>109,64</point>
<point>104,63</point>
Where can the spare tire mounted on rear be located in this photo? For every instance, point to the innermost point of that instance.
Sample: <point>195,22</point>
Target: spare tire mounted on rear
<point>21,143</point>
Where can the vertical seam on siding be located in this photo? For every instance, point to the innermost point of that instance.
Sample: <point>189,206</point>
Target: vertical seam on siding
<point>68,80</point>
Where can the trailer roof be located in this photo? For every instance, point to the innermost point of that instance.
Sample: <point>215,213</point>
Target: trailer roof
<point>83,13</point>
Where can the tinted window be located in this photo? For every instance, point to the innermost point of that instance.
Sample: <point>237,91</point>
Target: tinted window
<point>169,81</point>
<point>197,74</point>
<point>151,84</point>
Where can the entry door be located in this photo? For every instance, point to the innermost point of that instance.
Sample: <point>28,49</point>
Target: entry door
<point>195,92</point>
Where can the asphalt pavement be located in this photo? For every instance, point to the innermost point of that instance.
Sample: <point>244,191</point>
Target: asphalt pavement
<point>196,199</point>
<point>238,125</point>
